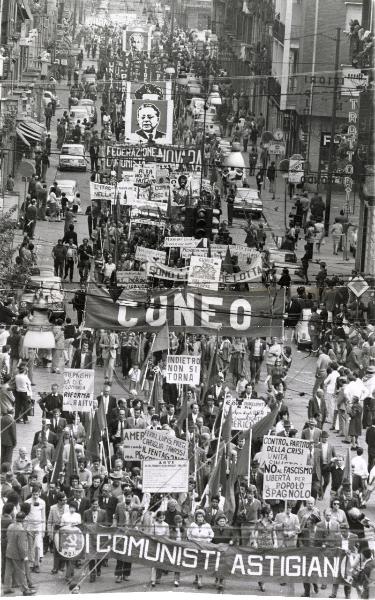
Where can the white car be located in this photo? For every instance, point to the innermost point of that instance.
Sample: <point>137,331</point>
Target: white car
<point>72,157</point>
<point>79,113</point>
<point>48,96</point>
<point>247,203</point>
<point>301,330</point>
<point>89,105</point>
<point>70,187</point>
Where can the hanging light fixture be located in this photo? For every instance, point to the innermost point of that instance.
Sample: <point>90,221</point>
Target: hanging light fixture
<point>39,333</point>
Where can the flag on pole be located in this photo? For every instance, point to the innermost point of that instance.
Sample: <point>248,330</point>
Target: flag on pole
<point>59,465</point>
<point>212,370</point>
<point>101,416</point>
<point>162,340</point>
<point>227,265</point>
<point>72,464</point>
<point>258,431</point>
<point>184,413</point>
<point>218,474</point>
<point>226,433</point>
<point>93,442</point>
<point>230,499</point>
<point>347,475</point>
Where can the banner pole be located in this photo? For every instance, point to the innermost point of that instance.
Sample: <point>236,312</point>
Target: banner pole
<point>220,430</point>
<point>249,455</point>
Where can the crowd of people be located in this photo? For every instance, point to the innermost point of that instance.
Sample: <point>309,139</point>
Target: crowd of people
<point>70,477</point>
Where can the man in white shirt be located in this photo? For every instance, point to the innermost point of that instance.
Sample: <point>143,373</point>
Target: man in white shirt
<point>4,334</point>
<point>23,395</point>
<point>359,472</point>
<point>329,389</point>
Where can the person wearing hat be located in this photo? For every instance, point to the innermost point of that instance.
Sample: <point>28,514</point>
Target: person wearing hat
<point>199,531</point>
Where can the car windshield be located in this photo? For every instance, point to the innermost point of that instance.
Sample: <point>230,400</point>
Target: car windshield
<point>72,150</point>
<point>31,286</point>
<point>247,194</point>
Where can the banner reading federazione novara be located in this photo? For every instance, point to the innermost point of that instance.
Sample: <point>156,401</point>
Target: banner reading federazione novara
<point>127,156</point>
<point>252,313</point>
<point>298,564</point>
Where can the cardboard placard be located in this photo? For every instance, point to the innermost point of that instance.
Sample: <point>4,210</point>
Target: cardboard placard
<point>78,393</point>
<point>183,369</point>
<point>165,476</point>
<point>157,444</point>
<point>287,468</point>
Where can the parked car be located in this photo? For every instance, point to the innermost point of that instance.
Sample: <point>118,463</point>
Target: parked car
<point>70,187</point>
<point>79,113</point>
<point>90,107</point>
<point>301,330</point>
<point>212,125</point>
<point>281,259</point>
<point>72,157</point>
<point>51,288</point>
<point>247,203</point>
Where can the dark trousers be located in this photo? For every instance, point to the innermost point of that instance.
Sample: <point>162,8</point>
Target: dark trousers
<point>58,561</point>
<point>69,268</point>
<point>59,268</point>
<point>347,590</point>
<point>255,366</point>
<point>230,214</point>
<point>95,568</point>
<point>326,475</point>
<point>123,569</point>
<point>94,163</point>
<point>6,454</point>
<point>21,406</point>
<point>126,362</point>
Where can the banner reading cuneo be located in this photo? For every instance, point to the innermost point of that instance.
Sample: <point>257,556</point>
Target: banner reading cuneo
<point>78,393</point>
<point>249,564</point>
<point>258,312</point>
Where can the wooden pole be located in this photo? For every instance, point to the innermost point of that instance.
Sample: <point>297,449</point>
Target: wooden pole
<point>249,455</point>
<point>218,441</point>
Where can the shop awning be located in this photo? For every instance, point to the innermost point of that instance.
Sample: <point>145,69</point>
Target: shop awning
<point>22,137</point>
<point>30,129</point>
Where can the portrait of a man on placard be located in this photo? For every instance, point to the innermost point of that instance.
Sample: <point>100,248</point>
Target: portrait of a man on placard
<point>148,119</point>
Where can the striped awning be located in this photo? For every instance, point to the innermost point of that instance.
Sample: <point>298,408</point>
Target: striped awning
<point>30,129</point>
<point>22,137</point>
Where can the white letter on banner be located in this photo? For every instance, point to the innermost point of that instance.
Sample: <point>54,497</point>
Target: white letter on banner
<point>123,320</point>
<point>161,309</point>
<point>206,312</point>
<point>234,323</point>
<point>185,309</point>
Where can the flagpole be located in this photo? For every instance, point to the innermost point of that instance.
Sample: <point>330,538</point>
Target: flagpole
<point>147,359</point>
<point>220,430</point>
<point>249,455</point>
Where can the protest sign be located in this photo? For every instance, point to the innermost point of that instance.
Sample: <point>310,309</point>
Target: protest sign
<point>160,193</point>
<point>102,191</point>
<point>150,222</point>
<point>246,564</point>
<point>132,280</point>
<point>249,413</point>
<point>144,174</point>
<point>180,242</point>
<point>253,273</point>
<point>164,272</point>
<point>287,468</point>
<point>132,446</point>
<point>165,476</point>
<point>127,156</point>
<point>157,444</point>
<point>189,252</point>
<point>78,393</point>
<point>204,272</point>
<point>126,190</point>
<point>150,255</point>
<point>183,369</point>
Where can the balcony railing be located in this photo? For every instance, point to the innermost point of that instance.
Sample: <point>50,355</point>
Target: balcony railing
<point>278,30</point>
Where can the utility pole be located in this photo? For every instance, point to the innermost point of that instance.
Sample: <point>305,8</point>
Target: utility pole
<point>331,155</point>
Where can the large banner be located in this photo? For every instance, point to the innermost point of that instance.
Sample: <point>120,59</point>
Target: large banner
<point>78,392</point>
<point>214,560</point>
<point>132,280</point>
<point>258,312</point>
<point>183,369</point>
<point>149,254</point>
<point>149,121</point>
<point>253,273</point>
<point>127,156</point>
<point>164,272</point>
<point>287,468</point>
